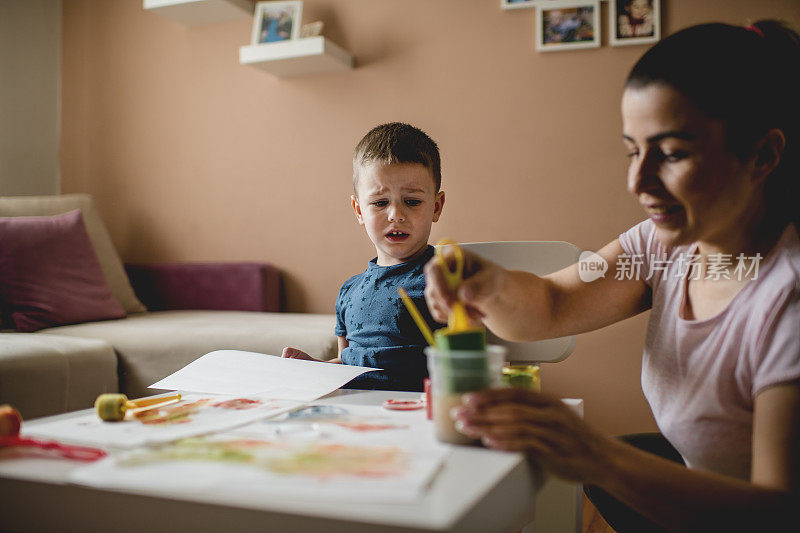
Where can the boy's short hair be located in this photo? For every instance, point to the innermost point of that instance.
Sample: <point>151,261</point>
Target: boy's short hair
<point>396,142</point>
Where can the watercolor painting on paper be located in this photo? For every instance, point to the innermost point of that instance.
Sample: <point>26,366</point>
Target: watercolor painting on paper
<point>194,415</point>
<point>259,468</point>
<point>345,423</point>
<point>321,461</point>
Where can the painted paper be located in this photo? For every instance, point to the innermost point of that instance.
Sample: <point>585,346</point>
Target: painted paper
<point>352,424</point>
<point>337,452</point>
<point>289,468</point>
<point>194,415</point>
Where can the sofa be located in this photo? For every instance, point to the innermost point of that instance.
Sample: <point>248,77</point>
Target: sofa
<point>164,315</point>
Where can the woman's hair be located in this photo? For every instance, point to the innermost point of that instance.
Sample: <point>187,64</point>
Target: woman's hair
<point>749,78</point>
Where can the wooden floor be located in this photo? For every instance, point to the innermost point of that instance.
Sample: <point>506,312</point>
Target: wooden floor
<point>592,521</point>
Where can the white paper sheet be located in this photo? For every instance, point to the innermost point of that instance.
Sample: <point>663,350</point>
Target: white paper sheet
<point>248,373</point>
<point>195,414</point>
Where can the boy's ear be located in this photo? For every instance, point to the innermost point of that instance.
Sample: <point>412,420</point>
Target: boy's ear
<point>438,205</point>
<point>356,208</point>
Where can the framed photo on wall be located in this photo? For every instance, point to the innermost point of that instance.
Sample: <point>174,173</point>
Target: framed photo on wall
<point>634,21</point>
<point>568,25</point>
<point>277,21</point>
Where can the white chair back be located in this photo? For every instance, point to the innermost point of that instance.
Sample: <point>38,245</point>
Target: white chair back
<point>540,258</point>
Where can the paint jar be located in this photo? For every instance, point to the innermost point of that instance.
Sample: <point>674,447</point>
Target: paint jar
<point>454,373</point>
<point>522,377</point>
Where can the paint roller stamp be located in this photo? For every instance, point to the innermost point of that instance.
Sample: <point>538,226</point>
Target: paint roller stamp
<point>112,407</point>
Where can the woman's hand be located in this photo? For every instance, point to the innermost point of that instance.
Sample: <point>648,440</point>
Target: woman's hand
<point>516,419</point>
<point>482,280</point>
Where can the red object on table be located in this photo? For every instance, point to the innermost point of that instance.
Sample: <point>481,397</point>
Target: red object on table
<point>428,404</point>
<point>403,405</point>
<point>10,422</point>
<point>78,453</point>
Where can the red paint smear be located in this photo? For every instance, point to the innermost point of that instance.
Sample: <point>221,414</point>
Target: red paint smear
<point>239,404</point>
<point>175,414</point>
<point>365,426</point>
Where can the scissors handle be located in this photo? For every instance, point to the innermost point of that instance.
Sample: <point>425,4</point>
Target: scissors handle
<point>453,277</point>
<point>458,319</point>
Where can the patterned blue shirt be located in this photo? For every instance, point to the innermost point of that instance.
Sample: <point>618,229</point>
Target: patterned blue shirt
<point>379,329</point>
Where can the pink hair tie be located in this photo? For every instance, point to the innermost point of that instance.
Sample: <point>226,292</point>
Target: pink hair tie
<point>755,30</point>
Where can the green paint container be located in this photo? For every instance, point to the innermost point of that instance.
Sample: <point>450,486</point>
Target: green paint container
<point>468,339</point>
<point>455,372</point>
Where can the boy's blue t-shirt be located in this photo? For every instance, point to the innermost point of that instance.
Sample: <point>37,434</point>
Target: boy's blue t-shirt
<point>379,329</point>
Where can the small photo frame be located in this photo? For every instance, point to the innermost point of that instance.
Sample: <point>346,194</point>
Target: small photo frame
<point>568,25</point>
<point>277,21</point>
<point>634,22</point>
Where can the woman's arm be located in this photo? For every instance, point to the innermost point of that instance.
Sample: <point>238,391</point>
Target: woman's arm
<point>520,306</point>
<point>676,497</point>
<point>700,501</point>
<point>776,438</point>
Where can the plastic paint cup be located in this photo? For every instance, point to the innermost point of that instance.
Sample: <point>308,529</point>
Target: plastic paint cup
<point>454,373</point>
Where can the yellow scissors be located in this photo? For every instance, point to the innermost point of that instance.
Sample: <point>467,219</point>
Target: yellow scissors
<point>458,319</point>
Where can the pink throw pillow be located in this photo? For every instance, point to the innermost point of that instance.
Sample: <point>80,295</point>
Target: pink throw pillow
<point>50,275</point>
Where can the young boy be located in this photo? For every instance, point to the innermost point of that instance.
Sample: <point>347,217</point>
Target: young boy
<point>396,180</point>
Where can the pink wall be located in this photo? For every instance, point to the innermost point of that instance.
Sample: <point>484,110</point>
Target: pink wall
<point>191,156</point>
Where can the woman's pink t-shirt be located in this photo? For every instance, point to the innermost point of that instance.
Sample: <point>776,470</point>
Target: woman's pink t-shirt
<point>701,377</point>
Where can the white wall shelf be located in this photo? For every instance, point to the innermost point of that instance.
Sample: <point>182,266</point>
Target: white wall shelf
<point>297,57</point>
<point>200,12</point>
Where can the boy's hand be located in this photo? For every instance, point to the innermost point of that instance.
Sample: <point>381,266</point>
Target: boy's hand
<point>482,281</point>
<point>294,353</point>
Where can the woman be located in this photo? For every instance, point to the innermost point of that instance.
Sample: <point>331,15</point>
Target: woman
<point>710,121</point>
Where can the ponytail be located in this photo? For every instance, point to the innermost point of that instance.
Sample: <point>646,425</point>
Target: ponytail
<point>783,186</point>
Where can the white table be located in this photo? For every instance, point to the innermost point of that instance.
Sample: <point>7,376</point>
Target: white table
<point>477,490</point>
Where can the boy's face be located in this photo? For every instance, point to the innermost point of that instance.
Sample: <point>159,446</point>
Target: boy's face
<point>396,204</point>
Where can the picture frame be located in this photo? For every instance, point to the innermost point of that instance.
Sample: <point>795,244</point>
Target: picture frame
<point>633,22</point>
<point>521,4</point>
<point>277,21</point>
<point>567,25</point>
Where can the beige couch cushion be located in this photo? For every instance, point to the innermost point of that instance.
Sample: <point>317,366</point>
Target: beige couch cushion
<point>110,262</point>
<point>151,346</point>
<point>49,374</point>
